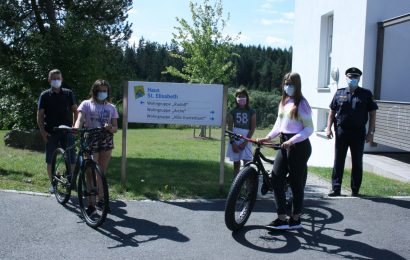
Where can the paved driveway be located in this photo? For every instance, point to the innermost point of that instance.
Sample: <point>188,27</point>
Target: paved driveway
<point>37,227</point>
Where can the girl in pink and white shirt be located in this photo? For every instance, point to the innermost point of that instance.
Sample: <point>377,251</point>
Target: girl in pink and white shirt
<point>99,112</point>
<point>294,126</point>
<point>94,113</point>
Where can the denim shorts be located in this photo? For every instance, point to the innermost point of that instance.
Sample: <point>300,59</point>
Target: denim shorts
<point>56,140</point>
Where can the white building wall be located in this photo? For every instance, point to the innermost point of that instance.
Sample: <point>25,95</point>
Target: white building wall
<point>354,44</point>
<point>396,60</point>
<point>348,43</point>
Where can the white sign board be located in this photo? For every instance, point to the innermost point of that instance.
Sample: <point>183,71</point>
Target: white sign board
<point>175,103</point>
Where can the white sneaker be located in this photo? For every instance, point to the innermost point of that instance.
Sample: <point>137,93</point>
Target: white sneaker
<point>51,189</point>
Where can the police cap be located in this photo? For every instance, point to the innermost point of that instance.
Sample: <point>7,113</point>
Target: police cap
<point>353,71</point>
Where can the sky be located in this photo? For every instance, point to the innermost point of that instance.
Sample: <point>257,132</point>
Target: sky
<point>268,23</point>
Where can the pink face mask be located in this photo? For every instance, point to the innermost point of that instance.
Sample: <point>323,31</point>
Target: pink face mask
<point>241,101</point>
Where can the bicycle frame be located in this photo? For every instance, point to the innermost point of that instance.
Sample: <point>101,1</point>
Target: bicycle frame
<point>258,157</point>
<point>83,157</point>
<point>243,192</point>
<point>92,187</point>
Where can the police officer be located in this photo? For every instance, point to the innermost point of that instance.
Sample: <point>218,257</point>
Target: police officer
<point>350,110</point>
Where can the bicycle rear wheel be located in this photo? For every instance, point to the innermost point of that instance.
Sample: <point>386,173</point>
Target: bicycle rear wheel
<point>93,195</point>
<point>60,169</point>
<point>241,198</point>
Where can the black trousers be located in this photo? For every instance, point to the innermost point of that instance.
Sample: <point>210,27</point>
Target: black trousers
<point>353,139</point>
<point>294,162</point>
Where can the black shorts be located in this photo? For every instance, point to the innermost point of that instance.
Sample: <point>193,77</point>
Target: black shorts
<point>56,140</point>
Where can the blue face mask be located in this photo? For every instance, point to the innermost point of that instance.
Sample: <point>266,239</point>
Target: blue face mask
<point>289,90</point>
<point>102,96</point>
<point>353,83</point>
<point>56,83</point>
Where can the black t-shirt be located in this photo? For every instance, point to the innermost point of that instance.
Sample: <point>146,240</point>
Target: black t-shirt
<point>57,108</point>
<point>352,108</point>
<point>242,117</point>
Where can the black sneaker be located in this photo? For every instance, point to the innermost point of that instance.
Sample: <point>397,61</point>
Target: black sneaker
<point>278,224</point>
<point>334,193</point>
<point>355,194</point>
<point>294,224</point>
<point>91,210</point>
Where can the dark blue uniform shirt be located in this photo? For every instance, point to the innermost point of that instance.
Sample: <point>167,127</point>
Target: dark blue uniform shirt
<point>352,108</point>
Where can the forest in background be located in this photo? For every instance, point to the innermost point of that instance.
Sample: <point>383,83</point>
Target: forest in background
<point>257,68</point>
<point>88,40</point>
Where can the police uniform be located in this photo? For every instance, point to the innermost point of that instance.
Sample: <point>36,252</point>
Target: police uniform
<point>352,108</point>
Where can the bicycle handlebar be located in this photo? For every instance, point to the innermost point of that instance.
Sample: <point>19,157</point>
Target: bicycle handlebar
<point>239,136</point>
<point>66,129</point>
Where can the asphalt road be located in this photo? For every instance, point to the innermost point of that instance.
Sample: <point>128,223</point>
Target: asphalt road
<point>37,227</point>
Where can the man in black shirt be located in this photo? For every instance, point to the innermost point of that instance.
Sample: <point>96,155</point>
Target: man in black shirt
<point>350,110</point>
<point>56,106</point>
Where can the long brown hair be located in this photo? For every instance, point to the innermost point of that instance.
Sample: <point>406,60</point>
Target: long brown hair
<point>96,85</point>
<point>294,78</point>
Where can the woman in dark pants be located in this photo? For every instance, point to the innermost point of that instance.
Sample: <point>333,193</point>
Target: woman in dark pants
<point>294,126</point>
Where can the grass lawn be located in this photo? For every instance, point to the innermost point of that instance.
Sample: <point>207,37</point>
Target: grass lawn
<point>372,185</point>
<point>161,164</point>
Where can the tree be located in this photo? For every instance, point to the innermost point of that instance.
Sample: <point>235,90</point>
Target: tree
<point>81,38</point>
<point>207,53</point>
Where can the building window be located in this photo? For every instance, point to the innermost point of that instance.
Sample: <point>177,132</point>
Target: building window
<point>321,122</point>
<point>326,42</point>
<point>322,119</point>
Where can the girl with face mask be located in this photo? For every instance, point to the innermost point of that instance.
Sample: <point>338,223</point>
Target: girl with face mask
<point>293,126</point>
<point>241,120</point>
<point>99,112</point>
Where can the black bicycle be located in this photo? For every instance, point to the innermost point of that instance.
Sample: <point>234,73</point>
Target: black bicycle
<point>92,187</point>
<point>242,194</point>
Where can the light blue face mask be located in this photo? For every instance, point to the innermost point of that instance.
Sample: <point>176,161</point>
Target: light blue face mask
<point>102,96</point>
<point>289,90</point>
<point>353,83</point>
<point>55,83</point>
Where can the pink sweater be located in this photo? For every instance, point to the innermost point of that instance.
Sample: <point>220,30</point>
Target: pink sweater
<point>302,126</point>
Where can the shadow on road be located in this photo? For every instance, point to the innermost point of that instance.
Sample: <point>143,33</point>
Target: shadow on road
<point>314,236</point>
<point>391,201</point>
<point>130,231</point>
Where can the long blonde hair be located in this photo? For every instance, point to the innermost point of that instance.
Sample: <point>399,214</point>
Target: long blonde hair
<point>297,96</point>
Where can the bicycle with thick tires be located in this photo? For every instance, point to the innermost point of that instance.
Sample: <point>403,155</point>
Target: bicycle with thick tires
<point>243,192</point>
<point>92,187</point>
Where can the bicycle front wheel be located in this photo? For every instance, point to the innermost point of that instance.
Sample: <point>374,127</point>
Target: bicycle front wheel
<point>241,198</point>
<point>60,169</point>
<point>93,196</point>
